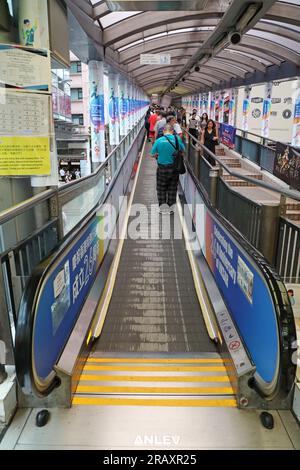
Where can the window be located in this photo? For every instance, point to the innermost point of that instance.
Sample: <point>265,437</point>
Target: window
<point>75,67</point>
<point>77,119</point>
<point>76,94</point>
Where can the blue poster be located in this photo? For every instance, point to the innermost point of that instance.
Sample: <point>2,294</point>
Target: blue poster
<point>62,297</point>
<point>97,110</point>
<point>227,135</point>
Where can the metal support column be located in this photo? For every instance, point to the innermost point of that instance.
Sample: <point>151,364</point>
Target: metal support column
<point>214,175</point>
<point>97,113</point>
<point>269,232</point>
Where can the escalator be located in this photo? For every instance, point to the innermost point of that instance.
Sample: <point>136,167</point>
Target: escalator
<point>155,326</point>
<point>154,348</point>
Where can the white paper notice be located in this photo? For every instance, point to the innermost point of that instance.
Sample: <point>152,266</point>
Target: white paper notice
<point>25,69</point>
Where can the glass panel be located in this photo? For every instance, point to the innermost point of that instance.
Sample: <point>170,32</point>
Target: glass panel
<point>293,45</point>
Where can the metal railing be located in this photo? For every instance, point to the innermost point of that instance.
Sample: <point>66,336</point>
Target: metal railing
<point>55,213</point>
<point>259,223</point>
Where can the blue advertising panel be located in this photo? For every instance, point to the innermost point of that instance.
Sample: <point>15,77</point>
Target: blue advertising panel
<point>62,297</point>
<point>247,296</point>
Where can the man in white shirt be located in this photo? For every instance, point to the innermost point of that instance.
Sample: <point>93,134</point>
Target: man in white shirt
<point>173,122</point>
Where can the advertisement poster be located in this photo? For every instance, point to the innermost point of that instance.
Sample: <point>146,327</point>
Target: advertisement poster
<point>63,295</point>
<point>97,111</point>
<point>33,23</point>
<point>114,133</point>
<point>227,135</point>
<point>25,68</point>
<point>24,22</point>
<point>287,165</point>
<point>246,109</point>
<point>123,113</point>
<point>25,156</point>
<point>266,110</point>
<point>25,134</point>
<point>246,295</point>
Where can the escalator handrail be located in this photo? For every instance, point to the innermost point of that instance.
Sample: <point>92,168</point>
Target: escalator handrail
<point>28,303</point>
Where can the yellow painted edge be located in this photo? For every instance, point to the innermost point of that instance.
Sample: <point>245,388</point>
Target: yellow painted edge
<point>131,378</point>
<point>153,402</point>
<point>197,278</point>
<point>154,360</point>
<point>168,390</point>
<point>158,368</point>
<point>104,303</point>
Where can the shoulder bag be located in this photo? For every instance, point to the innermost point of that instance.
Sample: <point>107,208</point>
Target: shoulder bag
<point>179,166</point>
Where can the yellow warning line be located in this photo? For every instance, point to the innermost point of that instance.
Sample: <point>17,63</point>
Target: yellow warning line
<point>161,390</point>
<point>158,368</point>
<point>131,378</point>
<point>155,361</point>
<point>153,402</point>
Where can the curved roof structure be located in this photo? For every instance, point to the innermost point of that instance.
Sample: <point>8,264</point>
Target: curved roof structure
<point>269,46</point>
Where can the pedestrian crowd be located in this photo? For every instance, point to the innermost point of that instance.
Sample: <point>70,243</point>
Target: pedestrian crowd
<point>165,131</point>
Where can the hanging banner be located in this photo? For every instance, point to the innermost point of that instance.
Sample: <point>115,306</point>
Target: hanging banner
<point>266,109</point>
<point>113,107</point>
<point>97,111</point>
<point>296,125</point>
<point>25,134</point>
<point>287,165</point>
<point>155,59</point>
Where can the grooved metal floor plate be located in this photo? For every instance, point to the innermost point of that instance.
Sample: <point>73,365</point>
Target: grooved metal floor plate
<point>154,307</point>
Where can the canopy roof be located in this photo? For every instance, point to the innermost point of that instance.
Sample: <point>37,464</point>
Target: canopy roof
<point>269,48</point>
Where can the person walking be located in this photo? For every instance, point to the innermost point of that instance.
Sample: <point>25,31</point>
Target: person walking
<point>203,121</point>
<point>167,177</point>
<point>160,125</point>
<point>210,139</point>
<point>152,121</point>
<point>147,123</point>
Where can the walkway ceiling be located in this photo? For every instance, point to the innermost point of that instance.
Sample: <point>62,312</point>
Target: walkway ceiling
<point>196,35</point>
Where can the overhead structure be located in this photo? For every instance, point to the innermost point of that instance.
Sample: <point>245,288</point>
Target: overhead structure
<point>213,44</point>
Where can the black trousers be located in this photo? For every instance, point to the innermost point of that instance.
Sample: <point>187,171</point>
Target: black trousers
<point>167,185</point>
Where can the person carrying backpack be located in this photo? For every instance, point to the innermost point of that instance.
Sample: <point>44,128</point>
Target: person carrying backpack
<point>166,148</point>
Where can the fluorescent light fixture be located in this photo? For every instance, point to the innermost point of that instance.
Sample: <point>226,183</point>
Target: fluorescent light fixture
<point>248,16</point>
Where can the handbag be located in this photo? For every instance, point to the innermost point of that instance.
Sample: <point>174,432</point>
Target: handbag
<point>178,165</point>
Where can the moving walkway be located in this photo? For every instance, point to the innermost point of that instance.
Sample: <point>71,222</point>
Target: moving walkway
<point>147,322</point>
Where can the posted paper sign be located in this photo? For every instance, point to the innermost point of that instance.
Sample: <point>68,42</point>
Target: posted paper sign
<point>24,68</point>
<point>155,59</point>
<point>24,156</point>
<point>25,134</point>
